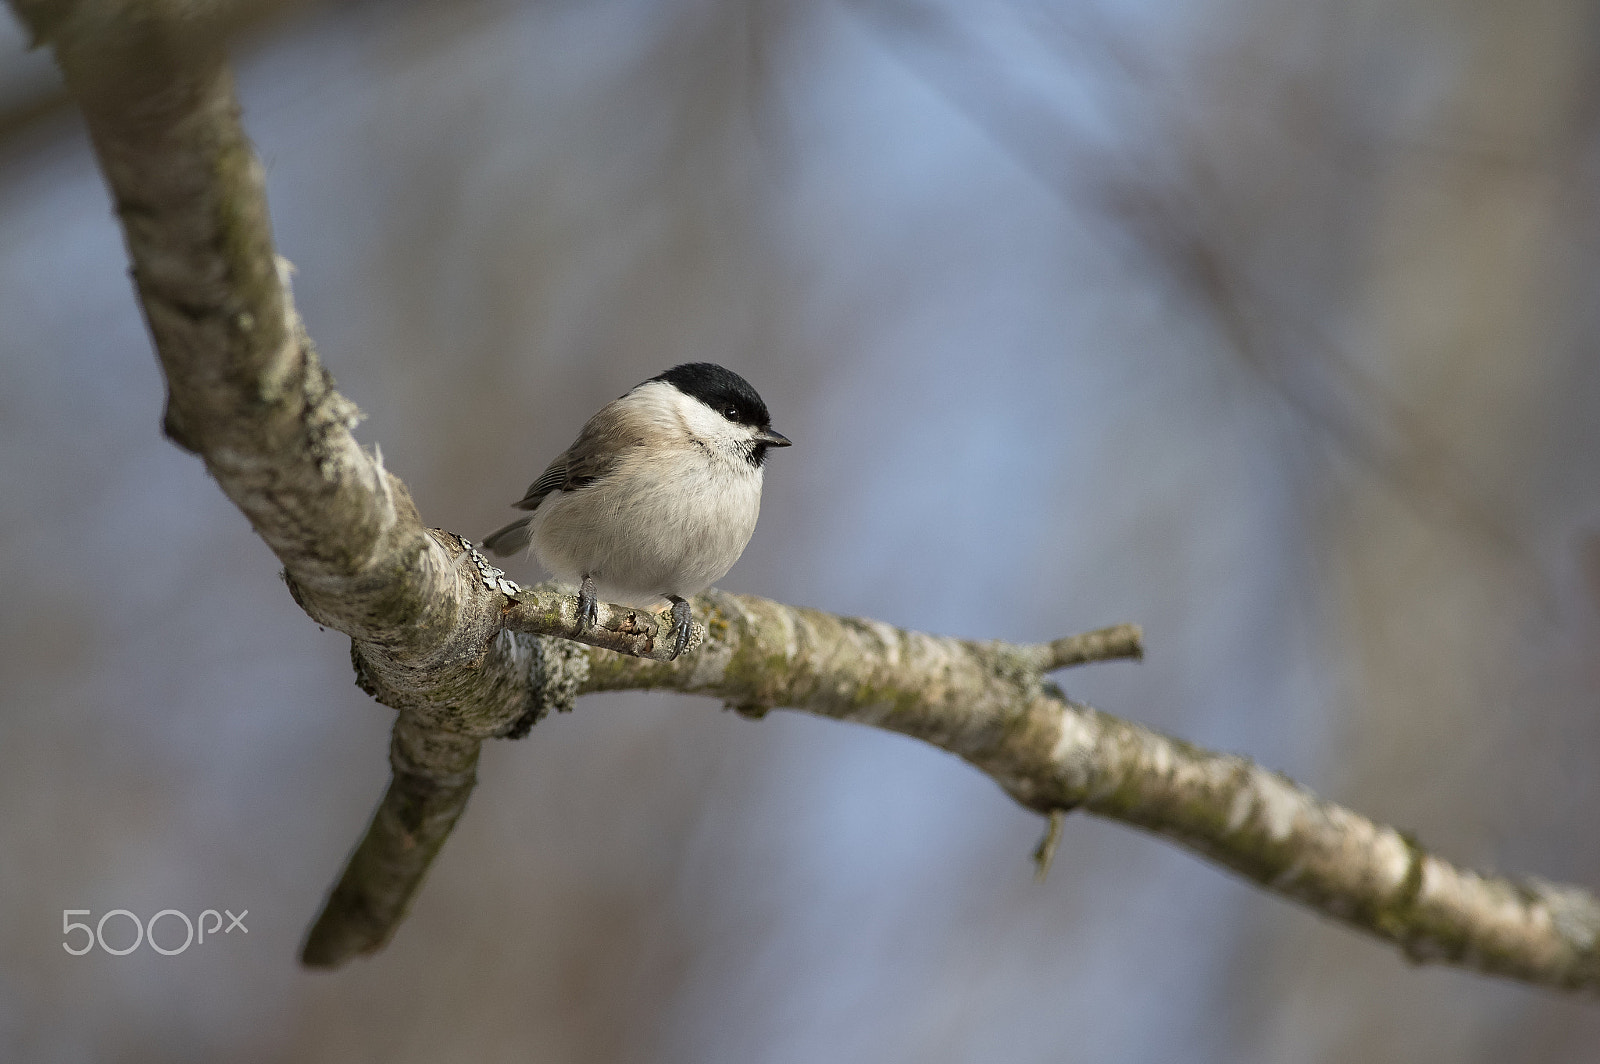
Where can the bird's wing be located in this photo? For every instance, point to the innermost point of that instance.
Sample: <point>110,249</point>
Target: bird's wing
<point>552,479</point>
<point>592,455</point>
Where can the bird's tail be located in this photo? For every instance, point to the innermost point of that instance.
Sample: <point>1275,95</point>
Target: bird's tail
<point>512,539</point>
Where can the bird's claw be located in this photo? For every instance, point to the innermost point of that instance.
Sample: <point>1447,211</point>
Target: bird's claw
<point>588,605</point>
<point>682,626</point>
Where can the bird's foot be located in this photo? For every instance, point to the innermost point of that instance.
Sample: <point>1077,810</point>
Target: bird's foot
<point>682,618</point>
<point>588,605</point>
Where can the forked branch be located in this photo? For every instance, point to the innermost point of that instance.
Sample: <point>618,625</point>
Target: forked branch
<point>464,656</point>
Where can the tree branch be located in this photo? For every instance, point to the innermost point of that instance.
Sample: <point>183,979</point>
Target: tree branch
<point>1105,644</point>
<point>464,655</point>
<point>422,804</point>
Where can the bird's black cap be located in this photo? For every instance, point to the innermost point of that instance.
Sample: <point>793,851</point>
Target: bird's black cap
<point>721,389</point>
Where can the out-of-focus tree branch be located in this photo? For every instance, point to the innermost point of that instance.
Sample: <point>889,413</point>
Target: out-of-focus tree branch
<point>1196,243</point>
<point>465,655</point>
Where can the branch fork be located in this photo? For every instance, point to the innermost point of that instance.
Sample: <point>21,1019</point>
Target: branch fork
<point>465,656</point>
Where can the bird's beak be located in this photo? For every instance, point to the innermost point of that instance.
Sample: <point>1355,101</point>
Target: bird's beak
<point>772,439</point>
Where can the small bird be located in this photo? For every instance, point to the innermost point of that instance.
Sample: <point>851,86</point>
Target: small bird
<point>656,498</point>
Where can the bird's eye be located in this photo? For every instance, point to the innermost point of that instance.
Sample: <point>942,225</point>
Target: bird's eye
<point>732,413</point>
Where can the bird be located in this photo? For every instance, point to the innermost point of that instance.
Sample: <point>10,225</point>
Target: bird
<point>656,498</point>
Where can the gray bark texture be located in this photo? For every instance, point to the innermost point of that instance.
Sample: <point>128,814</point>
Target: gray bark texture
<point>465,655</point>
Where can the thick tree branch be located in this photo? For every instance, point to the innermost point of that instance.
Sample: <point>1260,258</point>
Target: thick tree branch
<point>423,802</point>
<point>465,655</point>
<point>986,703</point>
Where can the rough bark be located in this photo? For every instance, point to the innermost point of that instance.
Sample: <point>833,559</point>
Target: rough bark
<point>465,655</point>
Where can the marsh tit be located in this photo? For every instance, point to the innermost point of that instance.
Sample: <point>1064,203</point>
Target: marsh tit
<point>656,498</point>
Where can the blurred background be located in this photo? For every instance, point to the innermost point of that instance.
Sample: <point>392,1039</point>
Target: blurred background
<point>1270,325</point>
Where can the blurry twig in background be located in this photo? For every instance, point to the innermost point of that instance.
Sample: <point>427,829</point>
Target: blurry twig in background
<point>1190,238</point>
<point>450,646</point>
